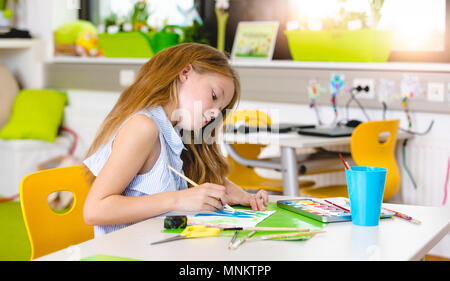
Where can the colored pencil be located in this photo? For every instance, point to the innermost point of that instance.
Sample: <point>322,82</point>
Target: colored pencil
<point>403,216</point>
<point>226,206</point>
<point>345,162</point>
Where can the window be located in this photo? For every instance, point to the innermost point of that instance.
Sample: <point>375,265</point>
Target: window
<point>173,12</point>
<point>421,28</point>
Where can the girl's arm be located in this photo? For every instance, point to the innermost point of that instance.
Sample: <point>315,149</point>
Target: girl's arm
<point>236,195</point>
<point>135,150</point>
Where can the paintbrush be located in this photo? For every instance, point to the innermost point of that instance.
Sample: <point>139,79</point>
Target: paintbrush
<point>193,183</point>
<point>230,246</point>
<point>240,241</point>
<point>286,235</point>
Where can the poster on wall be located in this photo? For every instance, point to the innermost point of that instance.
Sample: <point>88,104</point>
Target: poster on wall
<point>254,40</point>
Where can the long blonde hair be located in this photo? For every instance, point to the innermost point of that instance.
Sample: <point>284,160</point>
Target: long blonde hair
<point>156,85</point>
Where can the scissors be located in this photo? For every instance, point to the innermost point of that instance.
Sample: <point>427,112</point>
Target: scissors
<point>193,231</point>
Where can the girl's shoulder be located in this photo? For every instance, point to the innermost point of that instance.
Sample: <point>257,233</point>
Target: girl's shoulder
<point>139,131</point>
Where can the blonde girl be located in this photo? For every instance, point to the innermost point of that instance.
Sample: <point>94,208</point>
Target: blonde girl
<point>180,92</point>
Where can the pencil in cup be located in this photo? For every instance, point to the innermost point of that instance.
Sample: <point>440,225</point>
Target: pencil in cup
<point>193,183</point>
<point>347,166</point>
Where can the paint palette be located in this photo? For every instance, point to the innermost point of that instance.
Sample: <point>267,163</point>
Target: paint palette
<point>320,210</point>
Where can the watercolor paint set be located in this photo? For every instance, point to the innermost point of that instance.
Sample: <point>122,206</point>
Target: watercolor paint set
<point>325,210</point>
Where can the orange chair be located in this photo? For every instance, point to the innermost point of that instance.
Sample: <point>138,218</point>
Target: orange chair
<point>244,176</point>
<point>367,150</point>
<point>48,231</point>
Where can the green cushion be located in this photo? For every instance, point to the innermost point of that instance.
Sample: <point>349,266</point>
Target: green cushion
<point>36,114</point>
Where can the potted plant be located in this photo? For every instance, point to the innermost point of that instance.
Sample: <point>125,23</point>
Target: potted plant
<point>350,37</point>
<point>6,14</point>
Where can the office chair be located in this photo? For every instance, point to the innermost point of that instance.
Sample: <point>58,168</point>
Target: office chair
<point>367,150</point>
<point>244,176</point>
<point>48,231</point>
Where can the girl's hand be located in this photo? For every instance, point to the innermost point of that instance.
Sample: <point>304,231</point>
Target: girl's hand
<point>205,197</point>
<point>254,200</point>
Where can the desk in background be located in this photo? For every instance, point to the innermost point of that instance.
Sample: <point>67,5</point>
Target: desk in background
<point>393,239</point>
<point>287,142</point>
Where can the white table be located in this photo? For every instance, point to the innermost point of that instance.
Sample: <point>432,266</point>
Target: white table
<point>393,239</point>
<point>287,142</point>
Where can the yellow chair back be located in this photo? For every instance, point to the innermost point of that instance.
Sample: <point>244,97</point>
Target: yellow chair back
<point>48,231</point>
<point>252,117</point>
<point>367,150</point>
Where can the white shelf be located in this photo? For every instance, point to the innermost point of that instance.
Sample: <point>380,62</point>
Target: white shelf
<point>289,64</point>
<point>93,60</point>
<point>17,43</point>
<point>403,66</point>
<point>24,58</point>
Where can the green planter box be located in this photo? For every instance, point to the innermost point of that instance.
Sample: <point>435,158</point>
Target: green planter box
<point>363,45</point>
<point>125,45</point>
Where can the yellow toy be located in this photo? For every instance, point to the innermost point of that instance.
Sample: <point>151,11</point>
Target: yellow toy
<point>77,38</point>
<point>87,44</point>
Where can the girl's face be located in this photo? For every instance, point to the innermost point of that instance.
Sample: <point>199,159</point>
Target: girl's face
<point>201,98</point>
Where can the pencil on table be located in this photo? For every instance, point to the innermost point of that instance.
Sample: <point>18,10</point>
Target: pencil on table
<point>403,216</point>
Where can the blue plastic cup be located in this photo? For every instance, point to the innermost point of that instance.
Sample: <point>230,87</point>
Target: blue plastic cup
<point>365,190</point>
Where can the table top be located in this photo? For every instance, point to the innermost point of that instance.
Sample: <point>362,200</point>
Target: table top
<point>293,139</point>
<point>392,239</point>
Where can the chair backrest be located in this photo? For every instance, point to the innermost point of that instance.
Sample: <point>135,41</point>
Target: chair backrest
<point>241,174</point>
<point>48,231</point>
<point>367,150</point>
<point>251,117</point>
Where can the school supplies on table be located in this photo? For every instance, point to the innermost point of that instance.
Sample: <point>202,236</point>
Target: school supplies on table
<point>226,206</point>
<point>175,222</point>
<point>403,216</point>
<point>280,218</point>
<point>319,209</point>
<point>233,239</point>
<point>239,242</point>
<point>224,218</point>
<point>193,231</point>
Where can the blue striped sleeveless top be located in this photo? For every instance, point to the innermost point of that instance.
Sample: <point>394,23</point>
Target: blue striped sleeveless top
<point>159,178</point>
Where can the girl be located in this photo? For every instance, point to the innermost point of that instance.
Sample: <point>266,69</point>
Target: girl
<point>187,87</point>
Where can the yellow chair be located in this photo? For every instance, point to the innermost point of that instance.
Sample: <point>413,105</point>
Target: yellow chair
<point>367,150</point>
<point>244,176</point>
<point>48,231</point>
